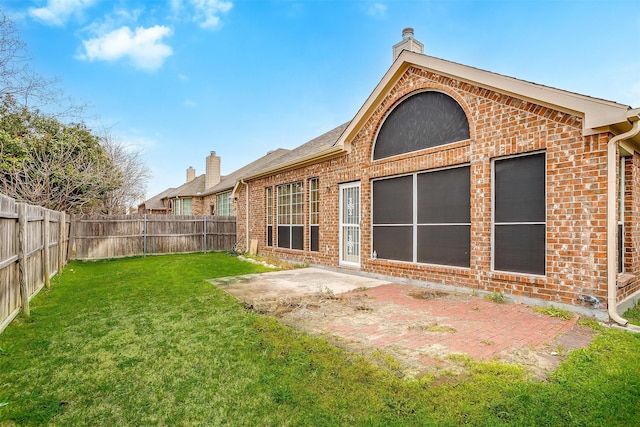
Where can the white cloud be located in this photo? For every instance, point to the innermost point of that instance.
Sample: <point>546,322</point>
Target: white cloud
<point>183,77</point>
<point>377,10</point>
<point>143,48</point>
<point>189,103</point>
<point>207,12</point>
<point>57,12</point>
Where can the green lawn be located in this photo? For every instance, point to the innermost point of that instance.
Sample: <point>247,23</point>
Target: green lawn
<point>146,341</point>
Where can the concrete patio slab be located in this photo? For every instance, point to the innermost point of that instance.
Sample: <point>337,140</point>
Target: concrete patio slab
<point>421,327</point>
<point>294,283</point>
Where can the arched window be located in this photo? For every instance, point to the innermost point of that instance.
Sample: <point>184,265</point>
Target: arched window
<point>425,120</point>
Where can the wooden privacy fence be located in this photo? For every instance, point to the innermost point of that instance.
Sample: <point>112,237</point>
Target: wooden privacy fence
<point>113,236</point>
<point>33,248</point>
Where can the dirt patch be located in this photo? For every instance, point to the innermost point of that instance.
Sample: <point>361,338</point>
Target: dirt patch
<point>422,331</point>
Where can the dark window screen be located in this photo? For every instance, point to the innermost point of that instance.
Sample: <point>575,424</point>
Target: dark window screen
<point>297,238</point>
<point>284,237</point>
<point>424,120</point>
<point>620,248</point>
<point>520,248</point>
<point>445,244</point>
<point>520,189</point>
<point>519,235</point>
<point>314,238</point>
<point>444,196</point>
<point>393,200</point>
<point>270,235</point>
<point>393,242</point>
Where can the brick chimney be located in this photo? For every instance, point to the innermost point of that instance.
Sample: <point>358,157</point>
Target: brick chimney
<point>407,43</point>
<point>212,176</point>
<point>191,174</point>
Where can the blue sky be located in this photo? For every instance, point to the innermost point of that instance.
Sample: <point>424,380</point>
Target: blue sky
<point>180,78</point>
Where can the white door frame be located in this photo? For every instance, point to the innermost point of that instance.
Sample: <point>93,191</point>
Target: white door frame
<point>349,251</point>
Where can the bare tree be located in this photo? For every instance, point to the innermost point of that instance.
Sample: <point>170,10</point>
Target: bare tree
<point>45,162</point>
<point>23,84</point>
<point>132,173</point>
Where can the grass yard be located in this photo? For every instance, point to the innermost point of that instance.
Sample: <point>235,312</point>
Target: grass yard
<point>146,341</point>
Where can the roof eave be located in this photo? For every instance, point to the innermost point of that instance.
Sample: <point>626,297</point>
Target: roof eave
<point>597,114</point>
<point>325,154</point>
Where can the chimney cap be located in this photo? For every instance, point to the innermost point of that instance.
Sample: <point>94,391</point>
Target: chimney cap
<point>407,43</point>
<point>407,32</point>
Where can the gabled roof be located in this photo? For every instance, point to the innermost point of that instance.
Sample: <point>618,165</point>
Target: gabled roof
<point>599,115</point>
<point>320,148</point>
<point>192,188</point>
<point>195,187</point>
<point>155,202</point>
<point>229,181</point>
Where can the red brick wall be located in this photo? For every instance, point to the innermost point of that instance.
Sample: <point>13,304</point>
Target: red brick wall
<point>500,126</point>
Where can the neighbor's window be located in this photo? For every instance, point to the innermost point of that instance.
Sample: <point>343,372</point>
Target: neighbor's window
<point>314,214</point>
<point>186,206</point>
<point>519,243</point>
<point>290,216</point>
<point>424,120</point>
<point>424,217</point>
<point>224,204</point>
<point>269,204</point>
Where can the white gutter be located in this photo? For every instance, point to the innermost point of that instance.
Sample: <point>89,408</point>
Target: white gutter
<point>612,222</point>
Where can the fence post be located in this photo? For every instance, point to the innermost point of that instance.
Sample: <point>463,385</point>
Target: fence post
<point>46,253</point>
<point>62,229</point>
<point>144,234</point>
<point>22,257</point>
<point>204,234</point>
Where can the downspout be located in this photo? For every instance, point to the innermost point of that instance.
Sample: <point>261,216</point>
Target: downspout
<point>246,215</point>
<point>612,222</point>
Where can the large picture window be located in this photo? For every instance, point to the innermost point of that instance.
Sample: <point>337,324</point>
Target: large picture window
<point>223,201</point>
<point>423,217</point>
<point>290,216</point>
<point>444,217</point>
<point>314,214</point>
<point>393,218</point>
<point>519,241</point>
<point>186,206</point>
<point>269,204</point>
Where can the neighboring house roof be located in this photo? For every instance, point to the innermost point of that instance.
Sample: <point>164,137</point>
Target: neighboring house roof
<point>195,187</point>
<point>229,181</point>
<point>317,149</point>
<point>155,203</point>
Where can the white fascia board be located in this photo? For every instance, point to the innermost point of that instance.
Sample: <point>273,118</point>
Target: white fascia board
<point>598,114</point>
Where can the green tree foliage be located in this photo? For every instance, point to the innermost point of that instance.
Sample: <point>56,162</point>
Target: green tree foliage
<point>48,163</point>
<point>45,161</point>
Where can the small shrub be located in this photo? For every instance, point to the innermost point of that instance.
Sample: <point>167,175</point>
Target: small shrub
<point>496,297</point>
<point>554,312</point>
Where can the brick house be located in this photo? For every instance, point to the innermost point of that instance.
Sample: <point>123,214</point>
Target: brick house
<point>207,194</point>
<point>463,178</point>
